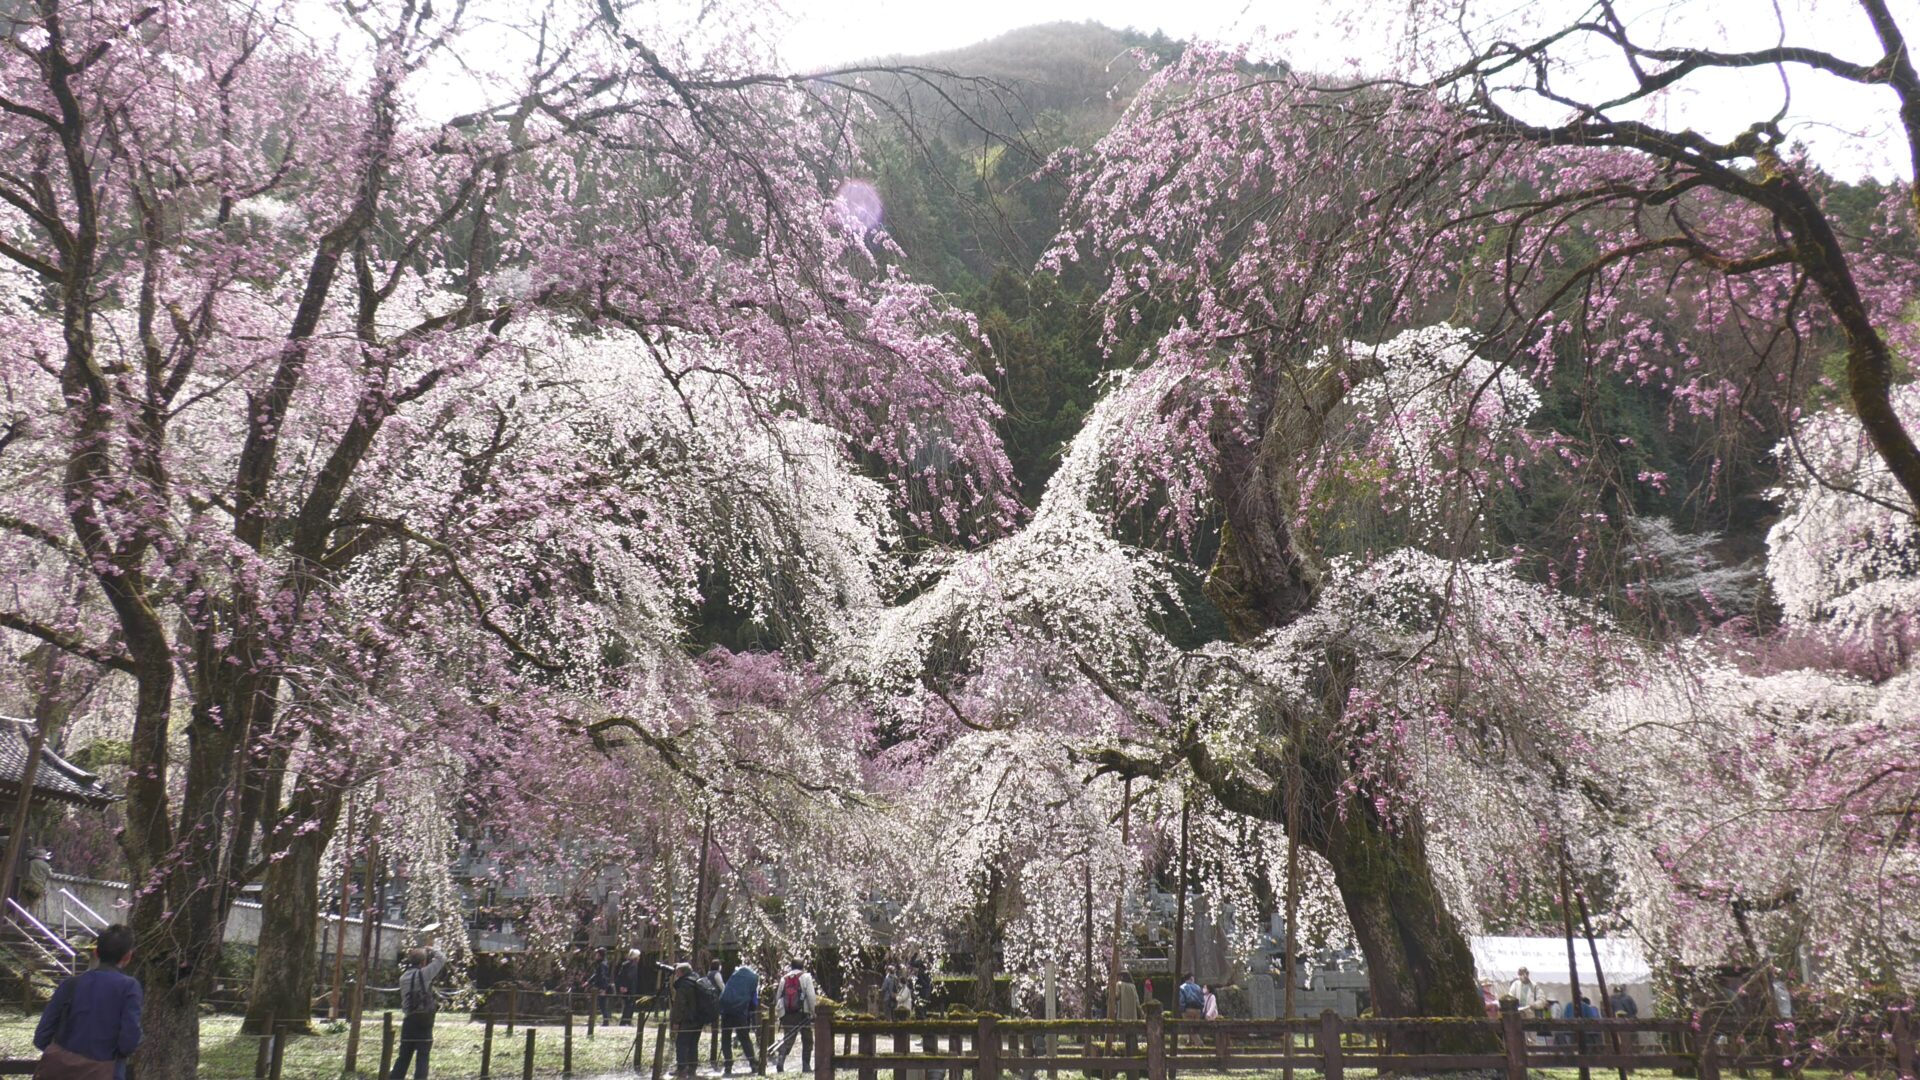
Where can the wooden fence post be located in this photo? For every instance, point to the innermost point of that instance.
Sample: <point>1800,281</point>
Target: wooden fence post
<point>639,1039</point>
<point>660,1048</point>
<point>902,1044</point>
<point>867,1050</point>
<point>1709,1048</point>
<point>1330,1067</point>
<point>1156,1042</point>
<point>513,1007</point>
<point>956,1045</point>
<point>566,1041</point>
<point>279,1058</point>
<point>1903,1050</point>
<point>526,1063</point>
<point>486,1049</point>
<point>822,1043</point>
<point>987,1049</point>
<point>386,1043</point>
<point>1515,1038</point>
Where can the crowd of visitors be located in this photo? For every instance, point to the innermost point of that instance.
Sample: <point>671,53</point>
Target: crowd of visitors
<point>94,1018</point>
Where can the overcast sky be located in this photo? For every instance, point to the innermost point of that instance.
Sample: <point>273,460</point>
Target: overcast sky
<point>1849,129</point>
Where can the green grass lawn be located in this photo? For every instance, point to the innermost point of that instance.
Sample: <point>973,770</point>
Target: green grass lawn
<point>228,1055</point>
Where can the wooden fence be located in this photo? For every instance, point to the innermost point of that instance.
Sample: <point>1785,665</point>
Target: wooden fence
<point>1158,1048</point>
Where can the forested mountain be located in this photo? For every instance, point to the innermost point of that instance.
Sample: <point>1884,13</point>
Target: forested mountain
<point>963,169</point>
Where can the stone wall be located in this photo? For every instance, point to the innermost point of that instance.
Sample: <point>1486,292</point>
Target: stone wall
<point>64,914</point>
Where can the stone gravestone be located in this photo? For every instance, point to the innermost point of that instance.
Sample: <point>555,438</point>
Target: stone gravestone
<point>1263,996</point>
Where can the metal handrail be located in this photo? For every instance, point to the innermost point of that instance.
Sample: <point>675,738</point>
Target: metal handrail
<point>44,931</point>
<point>27,938</point>
<point>69,922</point>
<point>101,923</point>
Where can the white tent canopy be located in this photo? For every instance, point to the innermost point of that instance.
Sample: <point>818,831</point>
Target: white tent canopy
<point>1501,958</point>
<point>1545,958</point>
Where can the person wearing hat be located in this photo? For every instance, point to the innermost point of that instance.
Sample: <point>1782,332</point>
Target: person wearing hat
<point>683,1015</point>
<point>38,878</point>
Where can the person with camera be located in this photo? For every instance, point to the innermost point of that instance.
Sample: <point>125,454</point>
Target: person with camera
<point>694,1006</point>
<point>419,1007</point>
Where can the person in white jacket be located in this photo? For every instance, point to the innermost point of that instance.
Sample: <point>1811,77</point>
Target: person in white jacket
<point>794,998</point>
<point>1526,992</point>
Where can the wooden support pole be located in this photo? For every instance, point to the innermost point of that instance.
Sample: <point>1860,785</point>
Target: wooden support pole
<point>566,1041</point>
<point>660,1049</point>
<point>486,1049</point>
<point>902,1045</point>
<point>513,1008</point>
<point>340,939</point>
<point>1599,973</point>
<point>1119,898</point>
<point>279,1058</point>
<point>386,1043</point>
<point>868,1048</point>
<point>639,1038</point>
<point>1291,960</point>
<point>526,1062</point>
<point>1180,900</point>
<point>1086,970</point>
<point>698,945</point>
<point>1330,1067</point>
<point>1573,967</point>
<point>593,1009</point>
<point>23,807</point>
<point>368,917</point>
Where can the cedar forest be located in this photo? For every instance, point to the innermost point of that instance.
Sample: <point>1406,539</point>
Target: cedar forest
<point>821,508</point>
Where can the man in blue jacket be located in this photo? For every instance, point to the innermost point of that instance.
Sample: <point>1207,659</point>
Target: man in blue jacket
<point>95,1016</point>
<point>738,1002</point>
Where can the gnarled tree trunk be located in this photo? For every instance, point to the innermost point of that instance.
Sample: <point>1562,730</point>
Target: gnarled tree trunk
<point>1418,963</point>
<point>1265,577</point>
<point>288,957</point>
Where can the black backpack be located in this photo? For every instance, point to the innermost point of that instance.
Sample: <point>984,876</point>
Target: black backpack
<point>416,994</point>
<point>706,1002</point>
